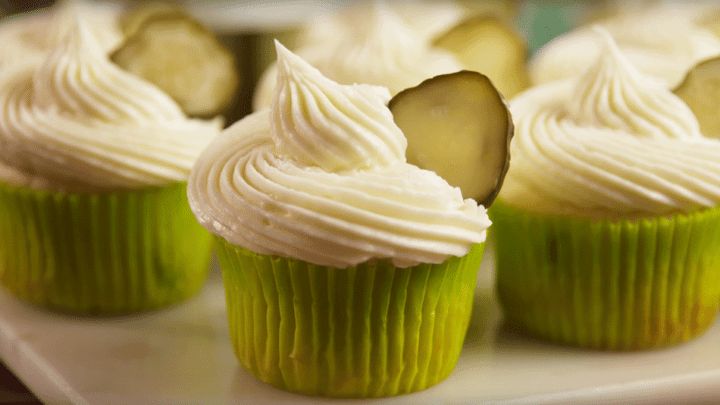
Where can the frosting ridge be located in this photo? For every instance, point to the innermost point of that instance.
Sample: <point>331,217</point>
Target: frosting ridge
<point>613,94</point>
<point>340,127</point>
<point>28,38</point>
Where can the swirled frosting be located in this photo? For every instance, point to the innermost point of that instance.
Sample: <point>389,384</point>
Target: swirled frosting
<point>30,37</point>
<point>663,42</point>
<point>322,177</point>
<point>381,50</point>
<point>612,143</point>
<point>79,123</point>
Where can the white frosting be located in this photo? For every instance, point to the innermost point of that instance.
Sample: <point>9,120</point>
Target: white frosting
<point>325,136</point>
<point>377,47</point>
<point>322,177</point>
<point>80,123</point>
<point>663,42</point>
<point>28,38</point>
<point>610,143</point>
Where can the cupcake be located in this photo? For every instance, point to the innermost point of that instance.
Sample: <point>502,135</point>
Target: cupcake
<point>93,165</point>
<point>348,272</point>
<point>662,41</point>
<point>398,46</point>
<point>607,228</point>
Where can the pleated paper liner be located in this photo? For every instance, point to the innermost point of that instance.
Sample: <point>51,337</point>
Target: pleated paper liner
<point>102,254</point>
<point>602,284</point>
<point>367,331</point>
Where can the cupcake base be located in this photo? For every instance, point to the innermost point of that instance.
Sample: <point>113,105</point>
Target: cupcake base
<point>101,254</point>
<point>601,284</point>
<point>367,331</point>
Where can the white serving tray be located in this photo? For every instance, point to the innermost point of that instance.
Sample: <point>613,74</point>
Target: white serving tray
<point>183,356</point>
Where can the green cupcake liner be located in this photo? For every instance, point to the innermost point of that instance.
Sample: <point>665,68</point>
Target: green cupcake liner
<point>602,284</point>
<point>372,330</point>
<point>109,253</point>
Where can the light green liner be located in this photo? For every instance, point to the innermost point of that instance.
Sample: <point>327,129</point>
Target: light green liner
<point>101,254</point>
<point>367,331</point>
<point>602,284</point>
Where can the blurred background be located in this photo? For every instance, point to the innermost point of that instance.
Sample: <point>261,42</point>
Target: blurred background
<point>248,27</point>
<point>538,20</point>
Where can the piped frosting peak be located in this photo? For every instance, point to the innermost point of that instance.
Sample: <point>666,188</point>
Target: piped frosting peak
<point>336,127</point>
<point>610,143</point>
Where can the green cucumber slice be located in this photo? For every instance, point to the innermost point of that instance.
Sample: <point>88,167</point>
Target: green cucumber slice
<point>459,126</point>
<point>184,59</point>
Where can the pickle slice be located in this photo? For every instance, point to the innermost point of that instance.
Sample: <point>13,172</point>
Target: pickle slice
<point>485,44</point>
<point>701,92</point>
<point>184,59</point>
<point>459,126</point>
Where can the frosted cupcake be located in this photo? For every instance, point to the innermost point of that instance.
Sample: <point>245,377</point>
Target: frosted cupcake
<point>348,271</point>
<point>608,226</point>
<point>93,217</point>
<point>663,42</point>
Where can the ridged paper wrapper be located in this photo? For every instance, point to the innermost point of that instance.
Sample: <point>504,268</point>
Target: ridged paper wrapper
<point>623,284</point>
<point>372,330</point>
<point>101,253</point>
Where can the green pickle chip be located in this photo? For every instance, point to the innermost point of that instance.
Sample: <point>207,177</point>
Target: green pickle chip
<point>486,44</point>
<point>459,126</point>
<point>168,48</point>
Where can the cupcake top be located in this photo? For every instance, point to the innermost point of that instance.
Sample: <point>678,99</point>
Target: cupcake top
<point>77,122</point>
<point>28,38</point>
<point>381,50</point>
<point>322,177</point>
<point>611,143</point>
<point>662,42</point>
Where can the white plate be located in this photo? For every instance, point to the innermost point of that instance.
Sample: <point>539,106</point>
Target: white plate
<point>183,355</point>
